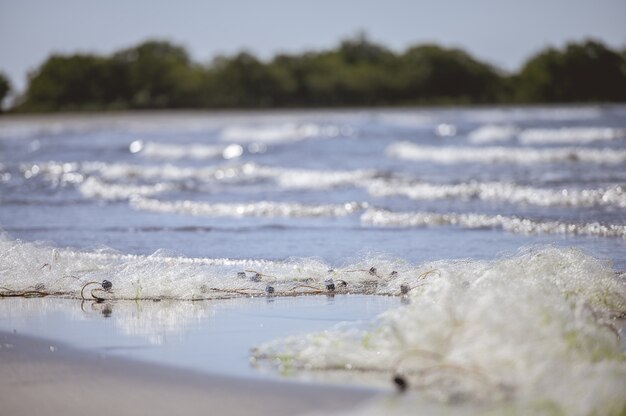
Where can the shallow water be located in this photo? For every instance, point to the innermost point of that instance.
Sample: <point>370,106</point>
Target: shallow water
<point>213,337</point>
<point>275,185</point>
<point>512,218</point>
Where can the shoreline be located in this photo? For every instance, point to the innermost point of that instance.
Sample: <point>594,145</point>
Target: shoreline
<point>294,111</point>
<point>39,376</point>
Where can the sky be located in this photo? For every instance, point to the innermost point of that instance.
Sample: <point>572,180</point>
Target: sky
<point>501,32</point>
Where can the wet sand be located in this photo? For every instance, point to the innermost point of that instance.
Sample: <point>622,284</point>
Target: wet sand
<point>38,376</point>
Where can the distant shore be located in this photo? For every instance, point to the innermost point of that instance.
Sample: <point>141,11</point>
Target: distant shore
<point>158,74</point>
<point>156,112</point>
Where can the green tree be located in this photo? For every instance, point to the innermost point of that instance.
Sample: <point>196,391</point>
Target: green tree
<point>71,82</point>
<point>358,72</point>
<point>5,87</point>
<point>361,50</point>
<point>432,72</point>
<point>579,73</point>
<point>244,81</point>
<point>155,74</point>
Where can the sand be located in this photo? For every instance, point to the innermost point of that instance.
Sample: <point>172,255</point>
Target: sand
<point>41,377</point>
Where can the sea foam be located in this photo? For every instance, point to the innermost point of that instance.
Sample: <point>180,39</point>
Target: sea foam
<point>31,268</point>
<point>385,218</point>
<point>487,155</point>
<point>501,191</point>
<point>570,135</point>
<point>533,329</point>
<point>529,334</point>
<point>122,181</point>
<point>247,209</point>
<point>490,133</point>
<point>282,133</point>
<point>166,151</point>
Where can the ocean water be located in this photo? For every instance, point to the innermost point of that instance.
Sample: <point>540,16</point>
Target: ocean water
<point>502,230</point>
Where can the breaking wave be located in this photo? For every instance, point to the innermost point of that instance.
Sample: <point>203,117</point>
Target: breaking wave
<point>529,334</point>
<point>522,156</point>
<point>490,133</point>
<point>30,269</point>
<point>281,133</point>
<point>230,173</point>
<point>570,135</point>
<point>117,181</point>
<point>502,191</point>
<point>93,187</point>
<point>384,218</point>
<point>247,209</point>
<point>165,151</point>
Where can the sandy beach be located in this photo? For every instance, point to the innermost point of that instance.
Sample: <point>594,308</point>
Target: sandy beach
<point>39,377</point>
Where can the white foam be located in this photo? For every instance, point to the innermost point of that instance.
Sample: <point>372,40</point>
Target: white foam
<point>492,133</point>
<point>117,183</point>
<point>529,334</point>
<point>248,209</point>
<point>96,188</point>
<point>285,177</point>
<point>487,155</point>
<point>533,331</point>
<point>570,135</point>
<point>280,133</point>
<point>384,218</point>
<point>165,151</point>
<point>501,191</point>
<point>28,266</point>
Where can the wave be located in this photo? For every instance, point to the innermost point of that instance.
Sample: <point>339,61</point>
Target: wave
<point>501,191</point>
<point>95,188</point>
<point>384,218</point>
<point>287,178</point>
<point>30,269</point>
<point>522,156</point>
<point>536,327</point>
<point>566,135</point>
<point>170,177</point>
<point>573,135</point>
<point>248,209</point>
<point>282,133</point>
<point>165,151</point>
<point>492,133</point>
<point>524,334</point>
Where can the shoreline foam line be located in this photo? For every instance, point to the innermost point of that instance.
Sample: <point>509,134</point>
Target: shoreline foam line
<point>29,269</point>
<point>533,333</point>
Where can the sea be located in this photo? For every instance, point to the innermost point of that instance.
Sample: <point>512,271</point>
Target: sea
<point>476,254</point>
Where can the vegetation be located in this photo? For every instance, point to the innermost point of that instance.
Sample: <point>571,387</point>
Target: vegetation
<point>5,87</point>
<point>581,72</point>
<point>158,74</point>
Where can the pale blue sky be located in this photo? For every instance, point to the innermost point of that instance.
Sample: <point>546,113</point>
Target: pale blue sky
<point>503,32</point>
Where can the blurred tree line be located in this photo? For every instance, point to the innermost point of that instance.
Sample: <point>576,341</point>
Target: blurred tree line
<point>158,74</point>
<point>5,87</point>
